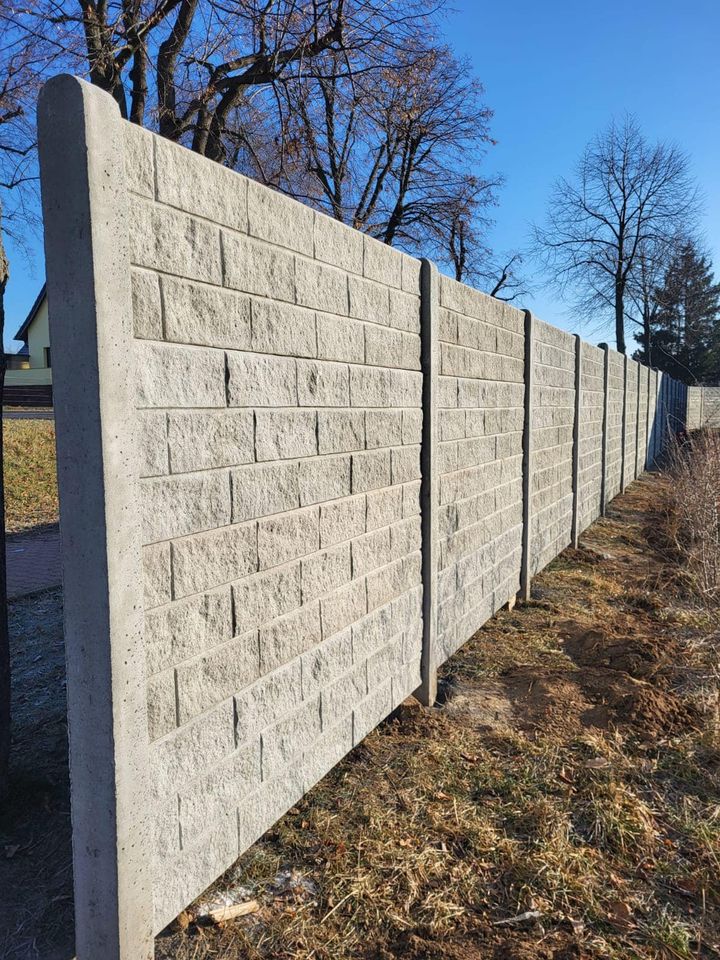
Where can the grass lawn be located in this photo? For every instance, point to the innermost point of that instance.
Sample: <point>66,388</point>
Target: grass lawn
<point>31,497</point>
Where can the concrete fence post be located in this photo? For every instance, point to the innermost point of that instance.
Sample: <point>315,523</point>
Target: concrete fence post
<point>636,472</point>
<point>88,284</point>
<point>429,348</point>
<point>646,456</point>
<point>623,445</point>
<point>575,532</point>
<point>525,574</point>
<point>657,422</point>
<point>605,431</point>
<point>661,411</point>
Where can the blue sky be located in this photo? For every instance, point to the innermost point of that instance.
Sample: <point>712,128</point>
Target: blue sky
<point>555,73</point>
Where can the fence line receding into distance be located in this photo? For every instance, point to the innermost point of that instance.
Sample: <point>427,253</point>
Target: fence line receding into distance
<point>298,469</point>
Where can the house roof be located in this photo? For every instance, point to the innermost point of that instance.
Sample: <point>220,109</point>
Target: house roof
<point>20,335</point>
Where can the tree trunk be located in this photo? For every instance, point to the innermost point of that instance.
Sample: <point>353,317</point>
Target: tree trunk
<point>4,632</point>
<point>646,335</point>
<point>620,315</point>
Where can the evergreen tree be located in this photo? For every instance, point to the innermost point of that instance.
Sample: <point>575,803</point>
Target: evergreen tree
<point>685,320</point>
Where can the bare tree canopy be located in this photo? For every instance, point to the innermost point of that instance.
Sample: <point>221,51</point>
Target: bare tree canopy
<point>390,150</point>
<point>187,67</point>
<point>353,106</point>
<point>628,200</point>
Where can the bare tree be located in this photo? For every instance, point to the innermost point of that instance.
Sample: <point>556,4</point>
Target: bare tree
<point>199,69</point>
<point>628,197</point>
<point>394,151</point>
<point>350,105</point>
<point>643,287</point>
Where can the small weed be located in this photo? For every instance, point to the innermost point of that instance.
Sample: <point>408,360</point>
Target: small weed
<point>671,935</point>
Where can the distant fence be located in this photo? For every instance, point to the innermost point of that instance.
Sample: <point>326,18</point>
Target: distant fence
<point>703,407</point>
<point>298,469</point>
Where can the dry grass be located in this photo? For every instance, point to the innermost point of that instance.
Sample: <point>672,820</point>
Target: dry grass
<point>568,772</point>
<point>31,497</point>
<point>693,510</point>
<point>692,529</point>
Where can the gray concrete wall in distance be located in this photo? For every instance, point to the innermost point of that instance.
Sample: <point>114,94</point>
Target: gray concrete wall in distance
<point>283,544</point>
<point>703,407</point>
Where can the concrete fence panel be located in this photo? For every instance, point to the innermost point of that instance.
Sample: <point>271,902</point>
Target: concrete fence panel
<point>480,430</point>
<point>553,419</point>
<point>592,402</point>
<point>631,417</point>
<point>702,407</point>
<point>694,411</point>
<point>615,424</point>
<point>298,469</point>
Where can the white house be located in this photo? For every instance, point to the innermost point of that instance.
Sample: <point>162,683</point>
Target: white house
<point>28,378</point>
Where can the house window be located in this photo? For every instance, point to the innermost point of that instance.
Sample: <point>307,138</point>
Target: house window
<point>46,351</point>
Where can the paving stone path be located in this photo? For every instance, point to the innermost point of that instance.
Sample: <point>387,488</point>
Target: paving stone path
<point>28,415</point>
<point>33,562</point>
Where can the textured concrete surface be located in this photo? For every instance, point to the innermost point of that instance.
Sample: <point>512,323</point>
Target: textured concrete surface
<point>553,416</point>
<point>278,388</point>
<point>86,254</point>
<point>480,424</point>
<point>703,407</point>
<point>590,435</point>
<point>282,441</point>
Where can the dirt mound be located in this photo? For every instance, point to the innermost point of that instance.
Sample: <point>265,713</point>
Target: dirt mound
<point>533,698</point>
<point>593,697</point>
<point>641,657</point>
